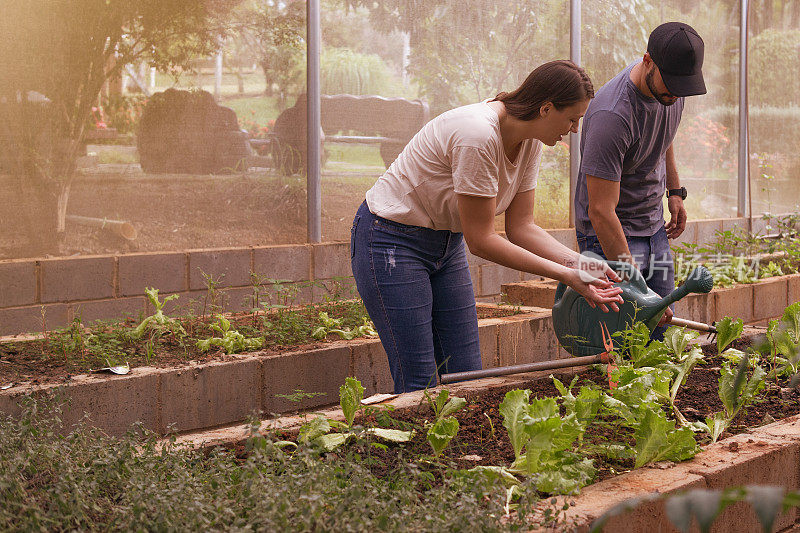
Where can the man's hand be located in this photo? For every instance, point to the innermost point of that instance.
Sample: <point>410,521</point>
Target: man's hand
<point>666,318</point>
<point>677,220</point>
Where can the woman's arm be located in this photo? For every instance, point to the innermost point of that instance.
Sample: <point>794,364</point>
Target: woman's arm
<point>477,222</point>
<point>523,231</point>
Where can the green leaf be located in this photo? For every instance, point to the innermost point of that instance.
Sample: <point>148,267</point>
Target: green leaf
<point>728,331</point>
<point>314,429</point>
<point>452,406</point>
<point>566,477</point>
<point>676,339</point>
<point>391,435</point>
<point>658,440</point>
<point>716,424</point>
<point>441,432</point>
<point>791,317</point>
<point>332,441</point>
<point>350,396</point>
<point>493,473</point>
<point>513,408</point>
<point>685,366</point>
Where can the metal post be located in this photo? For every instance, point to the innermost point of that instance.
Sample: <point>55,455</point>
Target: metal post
<point>314,197</point>
<point>743,205</point>
<point>218,75</point>
<point>574,138</point>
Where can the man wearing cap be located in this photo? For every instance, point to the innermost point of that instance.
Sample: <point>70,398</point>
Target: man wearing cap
<point>628,162</point>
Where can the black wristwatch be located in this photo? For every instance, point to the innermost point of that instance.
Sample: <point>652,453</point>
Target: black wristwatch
<point>677,192</point>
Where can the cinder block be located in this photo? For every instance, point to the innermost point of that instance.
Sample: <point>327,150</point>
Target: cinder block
<point>474,261</point>
<point>566,237</point>
<point>29,319</point>
<point>735,302</point>
<point>475,277</point>
<point>371,366</point>
<point>748,460</point>
<point>729,224</point>
<point>793,284</point>
<point>526,340</point>
<point>238,299</point>
<point>697,307</point>
<point>340,288</point>
<point>231,268</point>
<point>73,278</point>
<point>211,394</point>
<point>531,293</point>
<point>165,272</point>
<point>113,403</point>
<point>647,517</point>
<point>494,275</point>
<point>769,297</point>
<point>117,309</point>
<point>17,283</point>
<point>761,226</point>
<point>332,260</point>
<point>290,262</point>
<point>786,429</point>
<point>317,371</point>
<point>706,232</point>
<point>487,333</point>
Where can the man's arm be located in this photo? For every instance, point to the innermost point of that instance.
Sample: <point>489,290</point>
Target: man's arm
<point>603,199</point>
<point>677,221</point>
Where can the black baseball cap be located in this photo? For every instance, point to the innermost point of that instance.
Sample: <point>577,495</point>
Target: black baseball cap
<point>677,51</point>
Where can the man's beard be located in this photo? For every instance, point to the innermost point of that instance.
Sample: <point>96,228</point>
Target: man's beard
<point>661,97</point>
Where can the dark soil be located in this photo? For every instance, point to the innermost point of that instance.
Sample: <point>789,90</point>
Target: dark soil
<point>57,356</point>
<point>482,439</point>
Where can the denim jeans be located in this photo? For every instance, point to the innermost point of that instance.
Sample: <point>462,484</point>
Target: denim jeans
<point>417,289</point>
<point>654,257</point>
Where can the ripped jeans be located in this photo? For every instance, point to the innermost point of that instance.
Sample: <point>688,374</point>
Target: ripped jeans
<point>417,289</point>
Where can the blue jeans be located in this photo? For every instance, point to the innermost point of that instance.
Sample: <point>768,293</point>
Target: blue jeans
<point>654,257</point>
<point>416,287</point>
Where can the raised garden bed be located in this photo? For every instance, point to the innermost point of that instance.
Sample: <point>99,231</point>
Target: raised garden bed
<point>754,449</point>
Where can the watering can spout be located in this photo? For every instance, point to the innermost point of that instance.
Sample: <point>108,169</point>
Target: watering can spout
<point>700,280</point>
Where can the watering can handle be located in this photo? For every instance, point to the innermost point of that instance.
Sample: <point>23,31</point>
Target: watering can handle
<point>626,270</point>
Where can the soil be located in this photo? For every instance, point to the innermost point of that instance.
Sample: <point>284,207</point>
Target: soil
<point>55,358</point>
<point>482,439</point>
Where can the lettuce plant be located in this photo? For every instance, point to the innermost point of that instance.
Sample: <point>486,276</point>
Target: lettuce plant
<point>736,390</point>
<point>231,341</point>
<point>334,325</point>
<point>158,321</point>
<point>317,432</point>
<point>536,427</point>
<point>444,426</point>
<point>728,331</point>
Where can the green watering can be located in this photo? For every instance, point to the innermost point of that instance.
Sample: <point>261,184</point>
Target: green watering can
<point>577,325</point>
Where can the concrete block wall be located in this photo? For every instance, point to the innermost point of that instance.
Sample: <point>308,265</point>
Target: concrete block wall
<point>37,294</point>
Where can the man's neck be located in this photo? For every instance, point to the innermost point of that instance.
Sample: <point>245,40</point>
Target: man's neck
<point>637,76</point>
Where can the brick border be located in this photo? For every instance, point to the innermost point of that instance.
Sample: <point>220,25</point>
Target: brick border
<point>96,282</point>
<point>198,396</point>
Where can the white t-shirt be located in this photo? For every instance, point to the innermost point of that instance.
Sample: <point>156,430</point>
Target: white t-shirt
<point>460,151</point>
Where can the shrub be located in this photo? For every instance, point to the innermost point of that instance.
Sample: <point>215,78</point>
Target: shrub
<point>343,71</point>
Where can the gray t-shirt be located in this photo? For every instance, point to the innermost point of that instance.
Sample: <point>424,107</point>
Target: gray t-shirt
<point>624,138</point>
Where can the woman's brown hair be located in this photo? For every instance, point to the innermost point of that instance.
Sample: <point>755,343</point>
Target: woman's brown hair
<point>561,82</point>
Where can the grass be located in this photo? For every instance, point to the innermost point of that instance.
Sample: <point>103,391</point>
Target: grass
<point>260,109</point>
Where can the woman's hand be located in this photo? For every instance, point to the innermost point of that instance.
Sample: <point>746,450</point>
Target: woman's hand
<point>596,268</point>
<point>597,291</point>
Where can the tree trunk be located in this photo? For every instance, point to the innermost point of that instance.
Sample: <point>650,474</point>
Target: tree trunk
<point>267,79</point>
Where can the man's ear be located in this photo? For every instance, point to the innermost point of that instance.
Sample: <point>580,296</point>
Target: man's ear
<point>647,60</point>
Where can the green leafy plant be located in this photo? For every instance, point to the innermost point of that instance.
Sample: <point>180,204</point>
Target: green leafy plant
<point>317,432</point>
<point>728,330</point>
<point>334,325</point>
<point>736,390</point>
<point>546,438</point>
<point>158,322</point>
<point>231,341</point>
<point>657,439</point>
<point>444,427</point>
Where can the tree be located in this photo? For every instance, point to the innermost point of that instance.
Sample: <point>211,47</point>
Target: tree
<point>274,33</point>
<point>55,56</point>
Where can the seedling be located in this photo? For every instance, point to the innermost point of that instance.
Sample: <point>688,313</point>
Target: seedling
<point>231,341</point>
<point>444,427</point>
